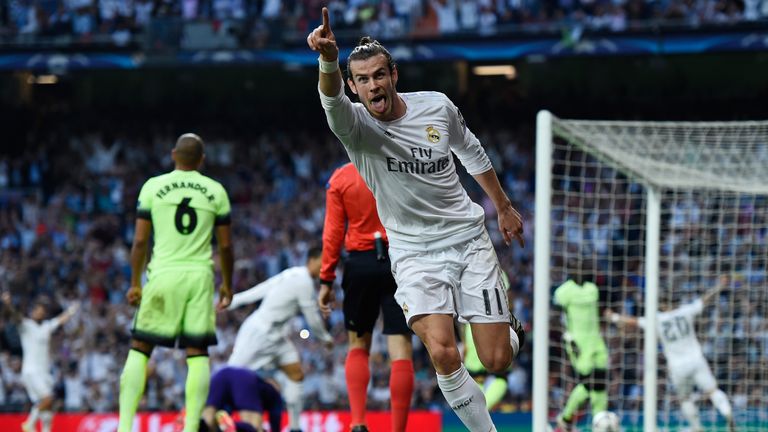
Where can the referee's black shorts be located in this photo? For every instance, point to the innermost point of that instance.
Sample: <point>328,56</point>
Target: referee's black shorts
<point>368,287</point>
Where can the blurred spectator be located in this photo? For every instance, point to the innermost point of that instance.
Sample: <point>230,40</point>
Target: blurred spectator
<point>263,22</point>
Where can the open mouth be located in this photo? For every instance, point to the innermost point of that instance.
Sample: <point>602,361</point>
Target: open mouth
<point>379,103</point>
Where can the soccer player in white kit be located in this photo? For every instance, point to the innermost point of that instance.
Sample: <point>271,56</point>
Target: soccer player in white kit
<point>441,255</point>
<point>261,341</point>
<point>35,334</point>
<point>685,360</point>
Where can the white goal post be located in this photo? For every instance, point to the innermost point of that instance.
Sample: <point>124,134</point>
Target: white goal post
<point>660,210</point>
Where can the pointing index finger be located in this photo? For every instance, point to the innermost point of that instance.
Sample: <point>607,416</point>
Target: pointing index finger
<point>326,20</point>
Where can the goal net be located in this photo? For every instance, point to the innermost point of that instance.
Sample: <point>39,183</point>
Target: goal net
<point>657,214</point>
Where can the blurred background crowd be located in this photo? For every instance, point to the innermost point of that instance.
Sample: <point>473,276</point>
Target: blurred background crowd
<point>255,23</point>
<point>66,221</point>
<point>67,199</point>
<point>76,153</point>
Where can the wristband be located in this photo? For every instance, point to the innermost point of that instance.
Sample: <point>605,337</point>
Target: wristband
<point>328,67</point>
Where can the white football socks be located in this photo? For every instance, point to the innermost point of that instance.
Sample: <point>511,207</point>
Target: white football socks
<point>691,413</point>
<point>466,400</point>
<point>46,418</point>
<point>720,401</point>
<point>34,414</point>
<point>293,394</point>
<point>515,342</point>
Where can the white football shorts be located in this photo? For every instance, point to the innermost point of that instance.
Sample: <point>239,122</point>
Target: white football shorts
<point>39,385</point>
<point>463,280</point>
<point>258,350</point>
<point>687,372</point>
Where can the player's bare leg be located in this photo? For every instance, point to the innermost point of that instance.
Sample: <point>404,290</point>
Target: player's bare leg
<point>252,418</point>
<point>466,399</point>
<point>399,347</point>
<point>292,392</point>
<point>496,345</point>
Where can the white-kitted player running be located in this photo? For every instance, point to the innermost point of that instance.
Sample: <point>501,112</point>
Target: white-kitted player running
<point>262,342</point>
<point>403,144</point>
<point>686,364</point>
<point>35,334</point>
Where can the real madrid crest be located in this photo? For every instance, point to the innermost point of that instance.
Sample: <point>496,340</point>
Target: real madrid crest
<point>432,134</point>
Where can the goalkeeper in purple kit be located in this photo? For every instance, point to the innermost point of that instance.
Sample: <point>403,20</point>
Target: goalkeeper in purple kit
<point>242,390</point>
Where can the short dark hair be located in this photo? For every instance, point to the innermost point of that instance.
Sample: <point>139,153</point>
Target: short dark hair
<point>366,48</point>
<point>189,149</point>
<point>580,270</point>
<point>41,302</point>
<point>314,252</point>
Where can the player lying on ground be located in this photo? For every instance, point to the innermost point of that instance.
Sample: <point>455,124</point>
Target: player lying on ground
<point>262,342</point>
<point>245,392</point>
<point>686,364</point>
<point>35,334</point>
<point>443,261</point>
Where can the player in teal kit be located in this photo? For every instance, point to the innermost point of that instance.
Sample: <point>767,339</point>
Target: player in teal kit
<point>183,209</point>
<point>578,297</point>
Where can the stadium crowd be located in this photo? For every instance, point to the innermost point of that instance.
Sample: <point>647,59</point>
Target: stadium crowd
<point>260,21</point>
<point>66,221</point>
<point>67,214</point>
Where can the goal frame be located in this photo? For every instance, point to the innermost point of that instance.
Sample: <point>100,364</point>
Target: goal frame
<point>542,283</point>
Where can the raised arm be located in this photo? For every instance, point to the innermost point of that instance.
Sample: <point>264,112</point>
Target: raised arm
<point>323,41</point>
<point>722,283</point>
<point>139,252</point>
<point>227,258</point>
<point>8,306</point>
<point>510,221</point>
<point>67,314</point>
<point>618,318</point>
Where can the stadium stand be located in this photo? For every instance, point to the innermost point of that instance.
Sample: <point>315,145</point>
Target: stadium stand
<point>256,23</point>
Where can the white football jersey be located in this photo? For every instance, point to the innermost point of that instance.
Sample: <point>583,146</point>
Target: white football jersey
<point>282,297</point>
<point>35,342</point>
<point>408,165</point>
<point>677,332</point>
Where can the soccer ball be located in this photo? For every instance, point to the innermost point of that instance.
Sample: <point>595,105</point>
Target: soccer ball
<point>606,421</point>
